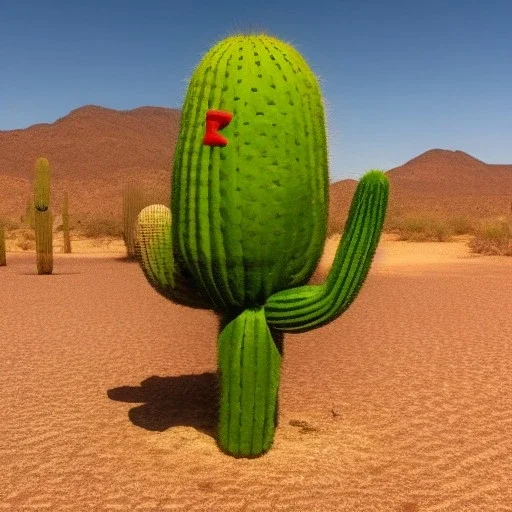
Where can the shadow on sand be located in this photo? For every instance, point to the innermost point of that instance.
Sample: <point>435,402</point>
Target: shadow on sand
<point>185,400</point>
<point>125,259</point>
<point>52,274</point>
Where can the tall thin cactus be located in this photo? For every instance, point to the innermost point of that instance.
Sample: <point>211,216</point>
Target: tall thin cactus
<point>43,217</point>
<point>3,260</point>
<point>65,224</point>
<point>133,202</point>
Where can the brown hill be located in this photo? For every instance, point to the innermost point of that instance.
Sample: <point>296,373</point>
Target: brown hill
<point>92,142</point>
<point>438,183</point>
<point>94,150</point>
<point>441,182</point>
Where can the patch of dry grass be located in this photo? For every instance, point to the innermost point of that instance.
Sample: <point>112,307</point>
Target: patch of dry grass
<point>99,226</point>
<point>420,229</point>
<point>424,228</point>
<point>493,237</point>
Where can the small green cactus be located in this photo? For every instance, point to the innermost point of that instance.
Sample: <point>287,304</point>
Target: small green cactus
<point>43,217</point>
<point>3,259</point>
<point>249,217</point>
<point>65,224</point>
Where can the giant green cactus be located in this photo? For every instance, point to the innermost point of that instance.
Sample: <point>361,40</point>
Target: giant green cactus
<point>249,216</point>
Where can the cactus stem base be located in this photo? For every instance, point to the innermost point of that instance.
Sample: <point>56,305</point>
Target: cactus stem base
<point>249,368</point>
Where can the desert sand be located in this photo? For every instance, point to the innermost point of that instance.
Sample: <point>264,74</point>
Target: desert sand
<point>401,404</point>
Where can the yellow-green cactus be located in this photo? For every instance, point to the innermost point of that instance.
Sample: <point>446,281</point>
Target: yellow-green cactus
<point>43,217</point>
<point>249,205</point>
<point>42,185</point>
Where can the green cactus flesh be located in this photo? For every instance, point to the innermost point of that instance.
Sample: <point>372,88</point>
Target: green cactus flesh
<point>249,217</point>
<point>42,184</point>
<point>44,241</point>
<point>249,364</point>
<point>304,308</point>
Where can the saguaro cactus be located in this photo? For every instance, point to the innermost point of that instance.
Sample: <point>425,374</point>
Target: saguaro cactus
<point>43,217</point>
<point>249,217</point>
<point>133,202</point>
<point>3,260</point>
<point>65,224</point>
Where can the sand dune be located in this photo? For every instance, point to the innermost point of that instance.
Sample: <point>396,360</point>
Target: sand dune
<point>402,404</point>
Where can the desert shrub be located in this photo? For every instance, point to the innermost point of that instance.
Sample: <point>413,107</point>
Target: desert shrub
<point>461,225</point>
<point>9,224</point>
<point>420,229</point>
<point>26,245</point>
<point>28,235</point>
<point>334,229</point>
<point>392,223</point>
<point>97,226</point>
<point>493,237</point>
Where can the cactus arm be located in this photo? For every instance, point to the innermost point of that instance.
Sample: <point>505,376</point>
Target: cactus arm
<point>307,307</point>
<point>154,253</point>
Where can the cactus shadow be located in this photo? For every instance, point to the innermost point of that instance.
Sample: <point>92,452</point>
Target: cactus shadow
<point>185,400</point>
<point>125,259</point>
<point>34,273</point>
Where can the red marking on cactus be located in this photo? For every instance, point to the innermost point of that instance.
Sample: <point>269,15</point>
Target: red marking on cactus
<point>216,120</point>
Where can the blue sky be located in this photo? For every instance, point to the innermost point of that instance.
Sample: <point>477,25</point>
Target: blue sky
<point>399,77</point>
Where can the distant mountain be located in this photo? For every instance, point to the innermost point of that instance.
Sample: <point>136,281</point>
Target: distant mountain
<point>440,182</point>
<point>94,150</point>
<point>93,142</point>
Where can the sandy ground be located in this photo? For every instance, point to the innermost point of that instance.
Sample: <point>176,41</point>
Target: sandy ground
<point>401,404</point>
<point>393,256</point>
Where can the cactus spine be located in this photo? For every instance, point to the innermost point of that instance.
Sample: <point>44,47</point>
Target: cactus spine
<point>65,224</point>
<point>43,217</point>
<point>133,202</point>
<point>3,260</point>
<point>249,219</point>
